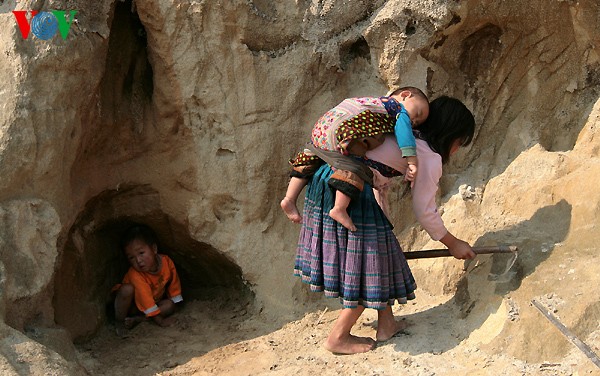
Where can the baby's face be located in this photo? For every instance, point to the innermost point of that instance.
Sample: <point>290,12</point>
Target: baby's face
<point>417,108</point>
<point>141,256</point>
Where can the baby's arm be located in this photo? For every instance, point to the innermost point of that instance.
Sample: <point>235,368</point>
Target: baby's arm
<point>406,142</point>
<point>411,170</point>
<point>404,136</point>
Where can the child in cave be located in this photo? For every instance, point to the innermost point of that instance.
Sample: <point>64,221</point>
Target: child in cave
<point>151,283</point>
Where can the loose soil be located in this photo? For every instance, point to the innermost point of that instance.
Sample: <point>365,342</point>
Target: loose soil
<point>223,337</point>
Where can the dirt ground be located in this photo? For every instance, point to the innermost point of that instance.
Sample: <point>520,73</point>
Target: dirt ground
<point>223,337</point>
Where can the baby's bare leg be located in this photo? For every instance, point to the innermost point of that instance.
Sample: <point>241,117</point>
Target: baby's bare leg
<point>288,204</point>
<point>339,212</point>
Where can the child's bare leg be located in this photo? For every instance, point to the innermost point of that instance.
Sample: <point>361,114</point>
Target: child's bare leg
<point>340,341</point>
<point>167,308</point>
<point>123,301</point>
<point>339,212</point>
<point>387,326</point>
<point>288,204</point>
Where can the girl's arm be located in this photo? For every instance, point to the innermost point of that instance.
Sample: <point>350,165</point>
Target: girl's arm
<point>424,194</point>
<point>425,207</point>
<point>458,248</point>
<point>381,185</point>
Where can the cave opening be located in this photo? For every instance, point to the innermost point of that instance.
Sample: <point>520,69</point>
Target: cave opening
<point>91,263</point>
<point>118,194</point>
<point>349,52</point>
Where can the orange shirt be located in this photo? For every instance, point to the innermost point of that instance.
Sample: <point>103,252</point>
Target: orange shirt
<point>152,287</point>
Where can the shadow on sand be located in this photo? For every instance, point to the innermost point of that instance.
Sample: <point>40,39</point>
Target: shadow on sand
<point>536,239</point>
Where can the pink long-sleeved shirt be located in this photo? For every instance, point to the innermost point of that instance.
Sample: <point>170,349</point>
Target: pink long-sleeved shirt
<point>425,185</point>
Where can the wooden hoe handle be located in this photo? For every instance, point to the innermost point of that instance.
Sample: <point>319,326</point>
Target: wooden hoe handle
<point>430,253</point>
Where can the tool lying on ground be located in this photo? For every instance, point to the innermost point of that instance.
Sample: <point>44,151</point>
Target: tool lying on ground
<point>446,253</point>
<point>567,333</point>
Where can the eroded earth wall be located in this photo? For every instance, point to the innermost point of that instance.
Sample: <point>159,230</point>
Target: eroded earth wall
<point>184,113</point>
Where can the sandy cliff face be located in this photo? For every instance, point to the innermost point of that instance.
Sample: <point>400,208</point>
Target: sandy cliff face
<point>182,114</point>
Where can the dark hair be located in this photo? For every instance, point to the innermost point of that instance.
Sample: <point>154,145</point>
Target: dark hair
<point>413,90</point>
<point>138,232</point>
<point>449,120</point>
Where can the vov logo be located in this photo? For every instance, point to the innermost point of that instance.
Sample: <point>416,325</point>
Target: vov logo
<point>44,25</point>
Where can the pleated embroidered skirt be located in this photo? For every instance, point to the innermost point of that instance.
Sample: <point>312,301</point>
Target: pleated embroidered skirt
<point>364,267</point>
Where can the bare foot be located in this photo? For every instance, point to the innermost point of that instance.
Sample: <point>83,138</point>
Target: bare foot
<point>121,330</point>
<point>386,329</point>
<point>341,216</point>
<point>349,345</point>
<point>132,321</point>
<point>290,209</point>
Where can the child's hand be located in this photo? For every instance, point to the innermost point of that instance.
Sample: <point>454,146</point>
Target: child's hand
<point>411,170</point>
<point>168,321</point>
<point>411,173</point>
<point>163,321</point>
